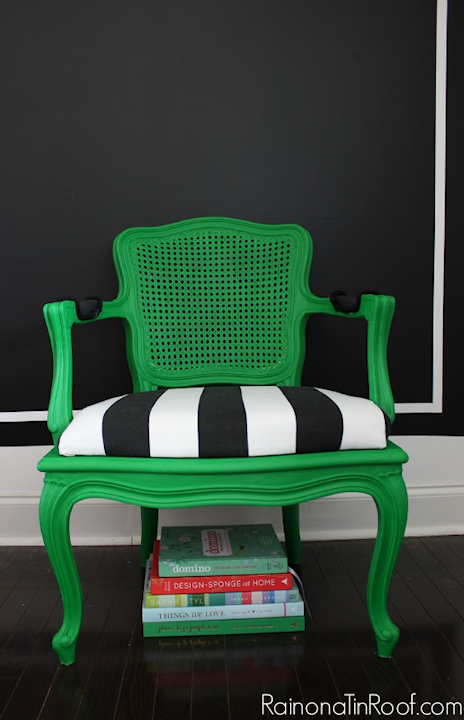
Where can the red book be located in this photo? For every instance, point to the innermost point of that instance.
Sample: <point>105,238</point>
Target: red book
<point>214,583</point>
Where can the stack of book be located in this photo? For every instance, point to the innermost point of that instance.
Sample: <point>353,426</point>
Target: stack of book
<point>215,581</point>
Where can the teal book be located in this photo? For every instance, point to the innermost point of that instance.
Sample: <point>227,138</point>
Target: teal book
<point>227,550</point>
<point>238,626</point>
<point>222,612</point>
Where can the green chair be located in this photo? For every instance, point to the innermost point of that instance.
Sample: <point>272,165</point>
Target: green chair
<point>216,303</point>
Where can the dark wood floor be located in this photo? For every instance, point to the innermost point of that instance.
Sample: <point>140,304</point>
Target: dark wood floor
<point>120,675</point>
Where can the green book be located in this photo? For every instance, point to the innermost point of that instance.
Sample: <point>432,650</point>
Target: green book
<point>228,550</point>
<point>239,626</point>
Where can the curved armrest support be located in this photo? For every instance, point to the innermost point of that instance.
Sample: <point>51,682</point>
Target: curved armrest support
<point>378,311</point>
<point>60,317</point>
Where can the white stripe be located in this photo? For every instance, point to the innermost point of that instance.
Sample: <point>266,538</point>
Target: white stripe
<point>84,436</point>
<point>363,422</point>
<point>173,423</point>
<point>271,421</point>
<point>440,204</point>
<point>24,416</point>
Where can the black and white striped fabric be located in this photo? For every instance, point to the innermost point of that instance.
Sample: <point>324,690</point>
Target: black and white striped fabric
<point>230,421</point>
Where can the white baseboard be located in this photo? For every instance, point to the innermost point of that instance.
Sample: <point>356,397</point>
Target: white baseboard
<point>434,477</point>
<point>431,512</point>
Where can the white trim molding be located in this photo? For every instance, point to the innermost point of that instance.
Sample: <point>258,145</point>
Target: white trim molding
<point>436,406</point>
<point>24,416</point>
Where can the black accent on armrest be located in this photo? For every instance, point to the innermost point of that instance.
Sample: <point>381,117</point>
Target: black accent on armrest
<point>87,309</point>
<point>345,304</point>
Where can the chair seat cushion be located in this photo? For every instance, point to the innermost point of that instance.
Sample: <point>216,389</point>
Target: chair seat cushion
<point>226,421</point>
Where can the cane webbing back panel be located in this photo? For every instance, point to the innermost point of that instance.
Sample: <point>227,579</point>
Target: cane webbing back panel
<point>215,299</point>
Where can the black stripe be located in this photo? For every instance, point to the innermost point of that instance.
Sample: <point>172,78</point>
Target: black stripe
<point>222,423</point>
<point>17,434</point>
<point>319,422</point>
<point>125,425</point>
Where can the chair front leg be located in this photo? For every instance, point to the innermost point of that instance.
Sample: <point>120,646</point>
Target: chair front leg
<point>54,511</point>
<point>392,507</point>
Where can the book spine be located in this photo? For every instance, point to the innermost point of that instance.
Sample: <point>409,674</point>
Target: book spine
<point>190,600</point>
<point>223,627</point>
<point>219,598</point>
<point>219,583</point>
<point>222,612</point>
<point>220,566</point>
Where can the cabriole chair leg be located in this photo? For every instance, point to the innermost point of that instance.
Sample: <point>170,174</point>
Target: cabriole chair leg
<point>392,504</point>
<point>55,510</point>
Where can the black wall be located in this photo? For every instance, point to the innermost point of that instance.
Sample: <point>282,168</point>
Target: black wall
<point>118,114</point>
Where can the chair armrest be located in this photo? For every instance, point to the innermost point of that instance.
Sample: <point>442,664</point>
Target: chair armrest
<point>378,311</point>
<point>60,317</point>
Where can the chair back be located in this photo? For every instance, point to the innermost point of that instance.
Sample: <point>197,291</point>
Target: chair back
<point>214,301</point>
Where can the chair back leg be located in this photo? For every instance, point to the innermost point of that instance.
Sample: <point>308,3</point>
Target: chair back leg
<point>149,518</point>
<point>291,521</point>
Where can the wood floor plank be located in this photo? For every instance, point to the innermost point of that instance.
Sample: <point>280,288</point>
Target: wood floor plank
<point>102,690</point>
<point>437,606</point>
<point>14,563</point>
<point>412,656</point>
<point>244,676</point>
<point>138,689</point>
<point>383,675</point>
<point>42,669</point>
<point>312,665</point>
<point>34,616</point>
<point>7,686</point>
<point>210,679</point>
<point>447,556</point>
<point>119,675</point>
<point>456,542</point>
<point>441,655</point>
<point>20,602</point>
<point>442,578</point>
<point>99,569</point>
<point>278,666</point>
<point>350,676</point>
<point>174,688</point>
